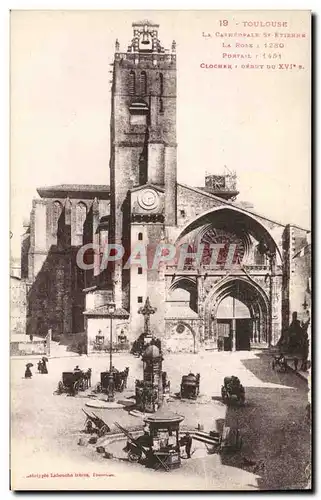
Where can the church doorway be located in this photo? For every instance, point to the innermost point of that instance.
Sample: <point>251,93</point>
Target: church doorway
<point>234,326</point>
<point>237,315</point>
<point>244,329</point>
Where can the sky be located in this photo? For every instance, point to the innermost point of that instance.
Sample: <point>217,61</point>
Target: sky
<point>256,122</point>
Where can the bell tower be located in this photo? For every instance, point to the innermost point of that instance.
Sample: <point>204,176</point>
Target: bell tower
<point>143,132</point>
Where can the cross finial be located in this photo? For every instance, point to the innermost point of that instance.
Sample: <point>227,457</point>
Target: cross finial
<point>146,311</point>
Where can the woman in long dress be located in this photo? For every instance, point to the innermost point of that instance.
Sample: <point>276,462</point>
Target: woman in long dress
<point>44,367</point>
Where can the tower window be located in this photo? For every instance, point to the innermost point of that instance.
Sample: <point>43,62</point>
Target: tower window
<point>81,214</point>
<point>161,106</point>
<point>140,299</point>
<point>132,83</point>
<point>143,83</point>
<point>140,270</point>
<point>140,236</point>
<point>56,212</point>
<point>183,214</point>
<point>161,83</point>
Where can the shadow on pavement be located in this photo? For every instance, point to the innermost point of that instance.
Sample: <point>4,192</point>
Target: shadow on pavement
<point>261,367</point>
<point>276,437</point>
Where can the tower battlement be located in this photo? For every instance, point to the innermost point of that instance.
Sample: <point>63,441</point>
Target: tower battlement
<point>146,47</point>
<point>223,185</point>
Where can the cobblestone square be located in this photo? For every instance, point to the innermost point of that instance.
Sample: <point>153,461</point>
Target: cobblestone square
<point>46,427</point>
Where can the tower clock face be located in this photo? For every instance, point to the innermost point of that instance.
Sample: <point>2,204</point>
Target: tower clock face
<point>148,199</point>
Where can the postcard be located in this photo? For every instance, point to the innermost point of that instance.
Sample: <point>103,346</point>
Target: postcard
<point>160,277</point>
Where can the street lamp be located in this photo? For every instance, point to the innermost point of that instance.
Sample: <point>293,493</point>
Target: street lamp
<point>111,311</point>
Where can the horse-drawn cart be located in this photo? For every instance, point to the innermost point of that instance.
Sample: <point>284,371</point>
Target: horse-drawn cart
<point>190,386</point>
<point>119,380</point>
<point>72,383</point>
<point>233,390</point>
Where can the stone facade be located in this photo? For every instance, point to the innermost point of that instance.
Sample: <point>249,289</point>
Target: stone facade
<point>145,206</point>
<point>63,220</point>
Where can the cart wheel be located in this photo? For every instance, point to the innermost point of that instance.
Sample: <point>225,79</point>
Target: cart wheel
<point>132,457</point>
<point>102,431</point>
<point>75,388</point>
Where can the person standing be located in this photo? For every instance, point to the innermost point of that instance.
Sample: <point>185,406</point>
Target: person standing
<point>295,334</point>
<point>188,445</point>
<point>28,373</point>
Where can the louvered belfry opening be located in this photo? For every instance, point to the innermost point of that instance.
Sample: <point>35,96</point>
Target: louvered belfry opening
<point>143,83</point>
<point>132,83</point>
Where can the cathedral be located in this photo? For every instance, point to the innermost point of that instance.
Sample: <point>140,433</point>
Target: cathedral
<point>202,304</point>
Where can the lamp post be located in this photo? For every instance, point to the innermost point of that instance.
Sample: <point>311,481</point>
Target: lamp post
<point>111,397</point>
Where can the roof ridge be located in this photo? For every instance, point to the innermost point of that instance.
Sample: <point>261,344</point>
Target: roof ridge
<point>234,205</point>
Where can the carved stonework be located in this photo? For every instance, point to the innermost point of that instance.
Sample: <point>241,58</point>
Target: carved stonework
<point>181,336</point>
<point>226,238</point>
<point>263,282</point>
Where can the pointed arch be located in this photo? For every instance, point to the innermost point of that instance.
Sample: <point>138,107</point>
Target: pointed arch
<point>248,292</point>
<point>227,212</point>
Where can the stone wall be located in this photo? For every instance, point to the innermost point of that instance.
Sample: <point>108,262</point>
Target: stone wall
<point>28,348</point>
<point>296,274</point>
<point>56,299</point>
<point>99,326</point>
<point>18,306</point>
<point>181,336</point>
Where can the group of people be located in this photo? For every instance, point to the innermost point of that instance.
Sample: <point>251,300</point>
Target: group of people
<point>42,367</point>
<point>296,340</point>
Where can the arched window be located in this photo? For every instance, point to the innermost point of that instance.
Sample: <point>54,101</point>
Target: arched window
<point>161,83</point>
<point>81,214</point>
<point>56,212</point>
<point>140,236</point>
<point>132,83</point>
<point>143,83</point>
